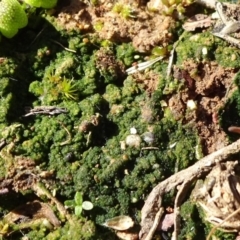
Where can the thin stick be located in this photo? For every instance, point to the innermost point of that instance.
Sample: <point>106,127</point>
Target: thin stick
<point>228,90</point>
<point>178,200</point>
<point>227,38</point>
<point>152,204</point>
<point>219,225</point>
<point>69,134</point>
<point>67,49</point>
<point>155,224</point>
<point>37,37</point>
<point>171,58</point>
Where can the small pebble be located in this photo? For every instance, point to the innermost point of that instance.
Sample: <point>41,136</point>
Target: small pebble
<point>148,137</point>
<point>133,140</point>
<point>133,130</point>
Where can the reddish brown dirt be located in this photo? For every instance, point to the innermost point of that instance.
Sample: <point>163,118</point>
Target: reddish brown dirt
<point>144,29</point>
<point>206,84</point>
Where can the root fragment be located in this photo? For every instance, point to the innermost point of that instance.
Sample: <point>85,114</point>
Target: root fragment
<point>153,203</point>
<point>155,224</point>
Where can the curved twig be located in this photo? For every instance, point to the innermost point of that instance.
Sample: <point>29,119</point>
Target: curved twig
<point>153,202</point>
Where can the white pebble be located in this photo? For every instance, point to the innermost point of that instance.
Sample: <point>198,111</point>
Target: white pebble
<point>133,140</point>
<point>133,130</point>
<point>148,137</point>
<point>191,104</point>
<point>204,51</point>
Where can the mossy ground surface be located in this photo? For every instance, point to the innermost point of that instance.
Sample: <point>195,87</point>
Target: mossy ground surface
<point>84,148</point>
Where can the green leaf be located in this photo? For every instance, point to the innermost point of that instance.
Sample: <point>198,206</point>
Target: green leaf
<point>78,210</point>
<point>42,3</point>
<point>69,203</point>
<point>7,32</point>
<point>49,3</point>
<point>34,3</point>
<point>12,17</point>
<point>78,199</point>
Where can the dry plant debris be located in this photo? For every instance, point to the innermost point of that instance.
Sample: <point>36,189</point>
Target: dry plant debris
<point>30,213</point>
<point>219,195</point>
<point>21,175</point>
<point>152,206</point>
<point>197,21</point>
<point>220,198</point>
<point>120,223</point>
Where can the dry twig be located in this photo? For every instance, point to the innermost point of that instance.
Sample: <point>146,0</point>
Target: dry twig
<point>154,200</point>
<point>220,224</point>
<point>67,49</point>
<point>155,224</point>
<point>178,200</point>
<point>172,53</point>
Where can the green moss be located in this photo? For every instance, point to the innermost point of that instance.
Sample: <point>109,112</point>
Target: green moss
<point>5,106</point>
<point>88,83</point>
<point>192,45</point>
<point>112,94</point>
<point>63,65</point>
<point>228,56</point>
<point>90,105</point>
<point>55,85</point>
<point>130,88</point>
<point>12,90</point>
<point>193,228</point>
<point>100,167</point>
<point>182,150</point>
<point>81,229</point>
<point>225,236</point>
<point>8,67</point>
<point>126,52</point>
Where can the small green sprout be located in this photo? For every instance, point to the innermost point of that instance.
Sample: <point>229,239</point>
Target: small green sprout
<point>169,7</point>
<point>62,86</point>
<point>98,25</point>
<point>159,51</point>
<point>78,204</point>
<point>12,17</point>
<point>124,10</point>
<point>68,88</point>
<point>42,3</point>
